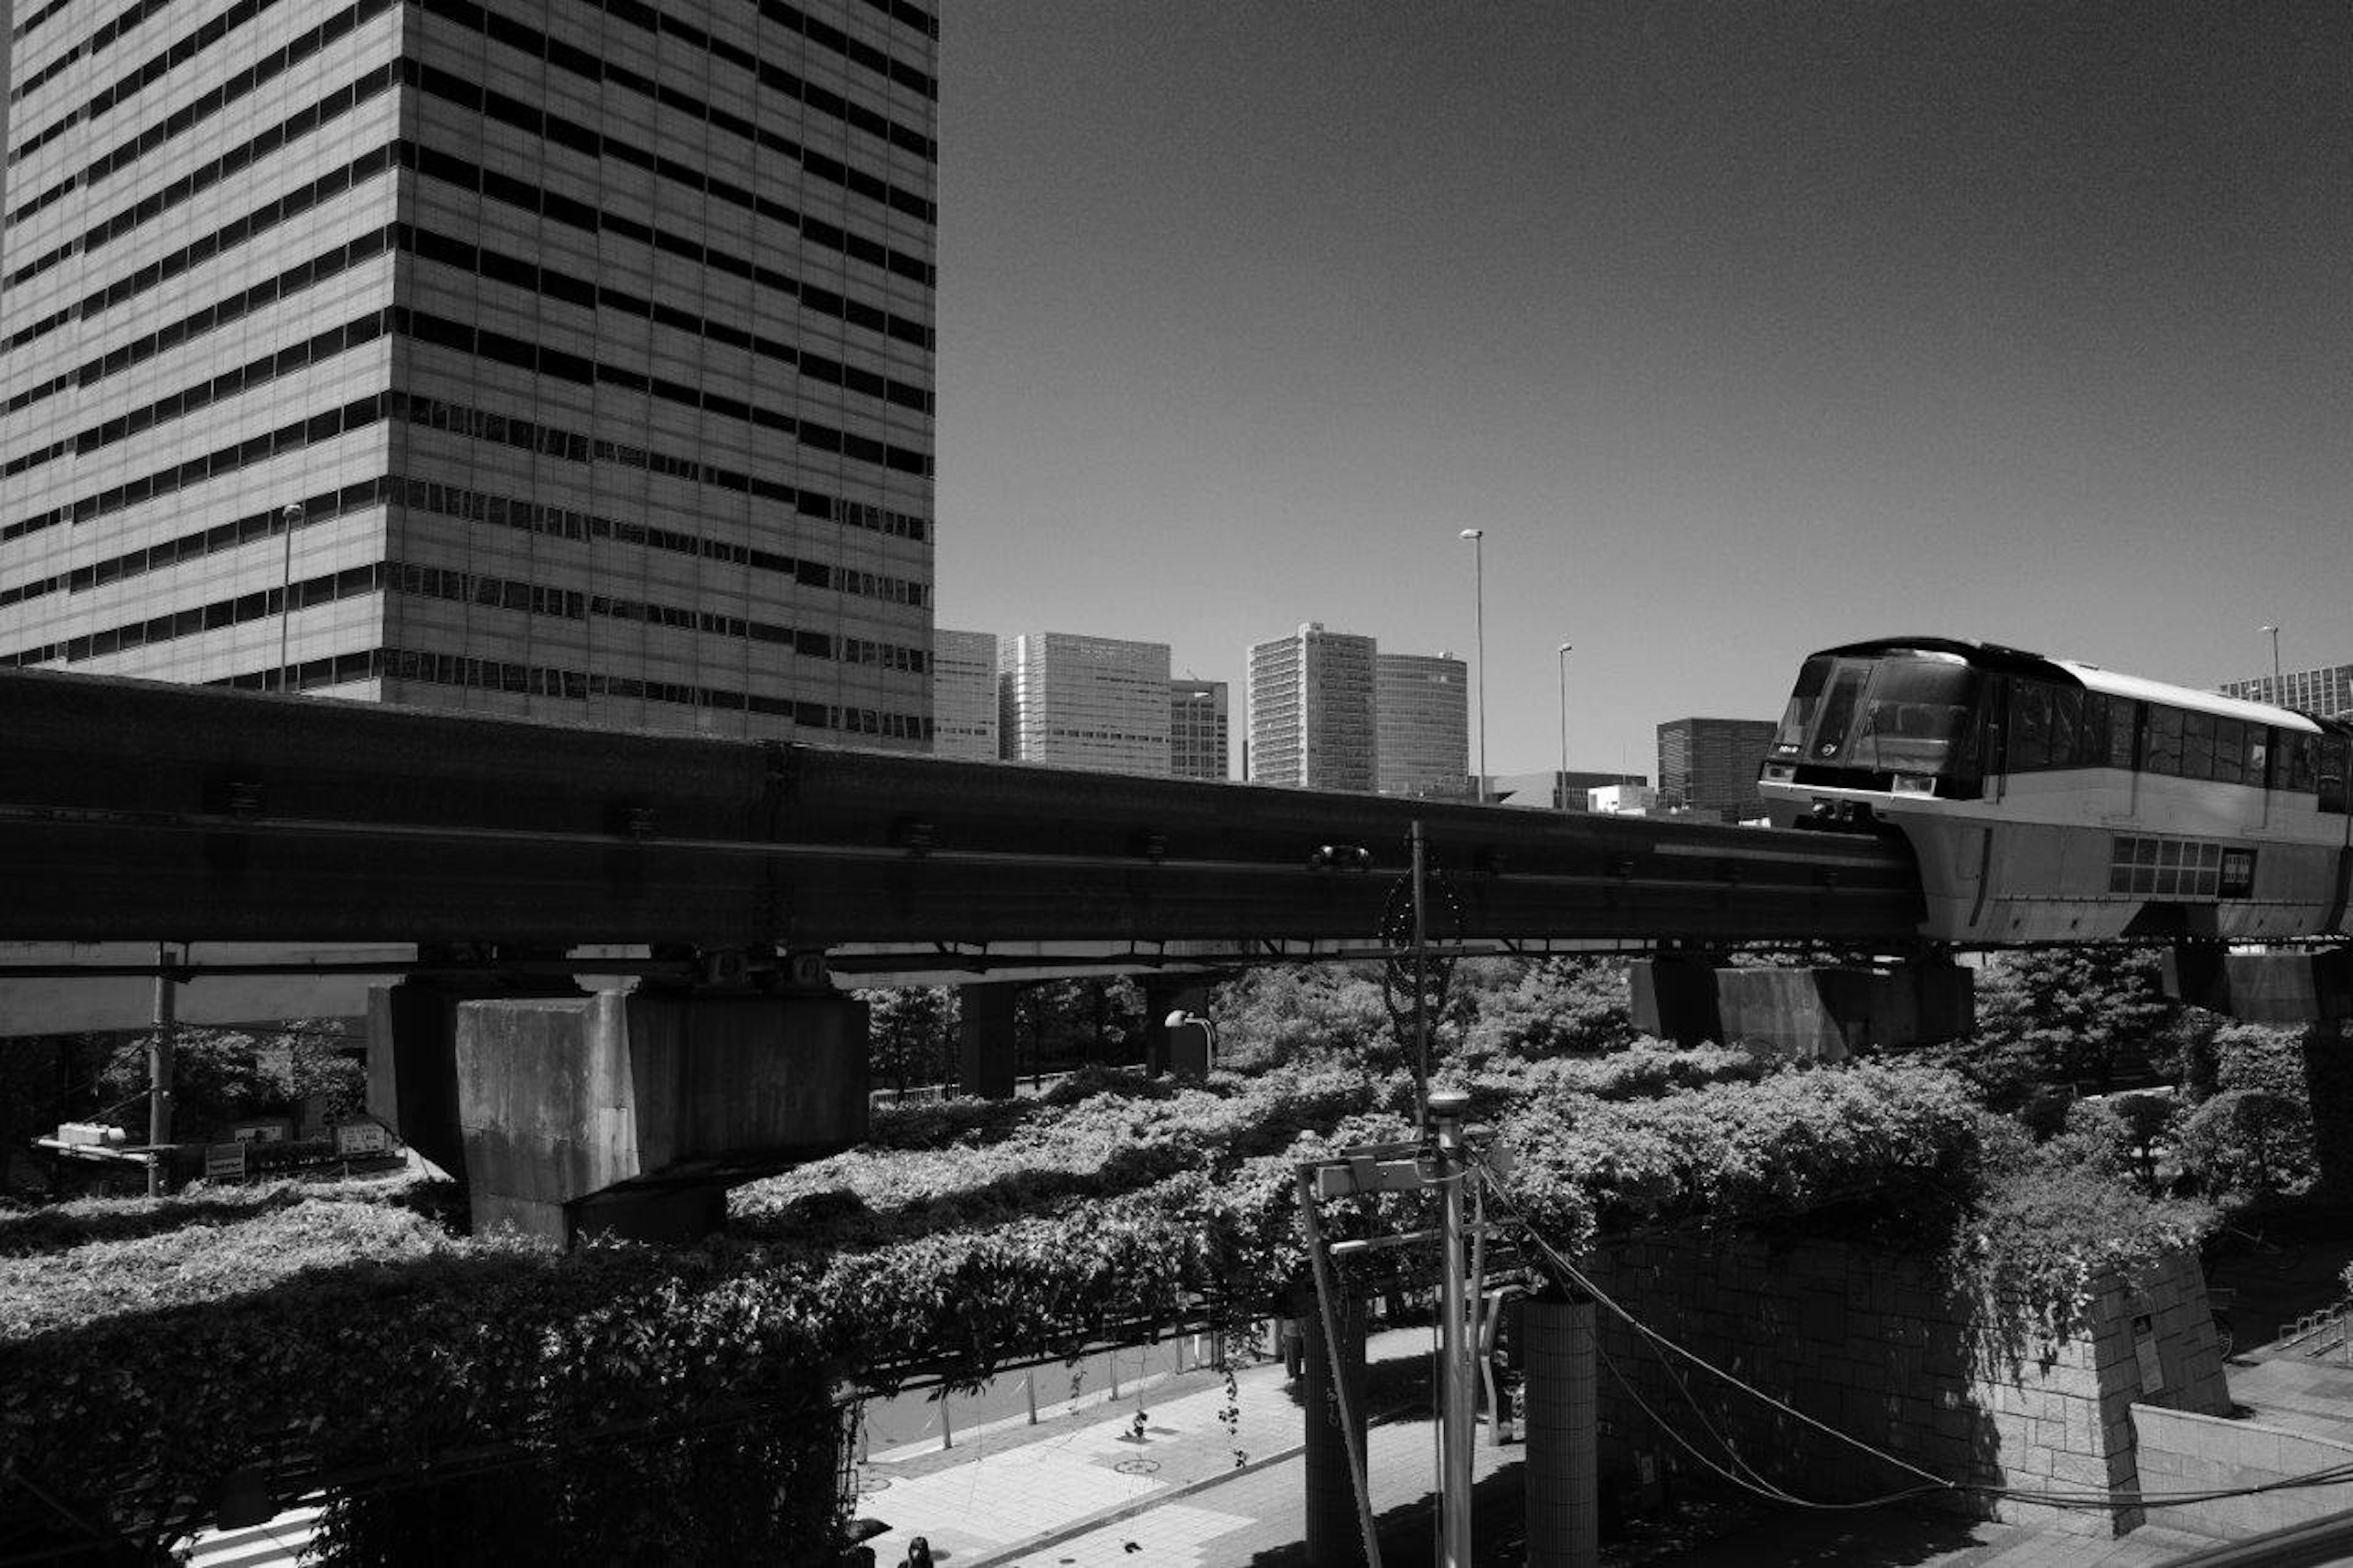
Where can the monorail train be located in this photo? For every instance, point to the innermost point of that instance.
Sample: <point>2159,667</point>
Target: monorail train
<point>2052,801</point>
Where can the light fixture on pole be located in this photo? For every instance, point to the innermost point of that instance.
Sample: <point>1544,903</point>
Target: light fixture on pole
<point>2277,695</point>
<point>1479,612</point>
<point>1561,793</point>
<point>291,520</point>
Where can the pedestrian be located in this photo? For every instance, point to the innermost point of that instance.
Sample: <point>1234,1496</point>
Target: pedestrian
<point>919,1553</point>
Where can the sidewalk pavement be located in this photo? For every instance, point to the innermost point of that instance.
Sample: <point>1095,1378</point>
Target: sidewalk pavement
<point>1213,1482</point>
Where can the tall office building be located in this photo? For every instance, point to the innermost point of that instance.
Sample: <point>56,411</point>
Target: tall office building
<point>1311,710</point>
<point>1422,725</point>
<point>964,717</point>
<point>1708,766</point>
<point>569,360</point>
<point>2325,692</point>
<point>1198,733</point>
<point>1099,703</point>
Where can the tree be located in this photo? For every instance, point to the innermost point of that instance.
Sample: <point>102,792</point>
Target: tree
<point>2076,1016</point>
<point>1553,1006</point>
<point>220,1076</point>
<point>2247,1142</point>
<point>911,1035</point>
<point>1306,1014</point>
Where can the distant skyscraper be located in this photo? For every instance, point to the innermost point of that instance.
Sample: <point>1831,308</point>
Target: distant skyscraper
<point>1709,766</point>
<point>1099,703</point>
<point>1198,729</point>
<point>1422,724</point>
<point>1313,721</point>
<point>964,695</point>
<point>2326,693</point>
<point>546,359</point>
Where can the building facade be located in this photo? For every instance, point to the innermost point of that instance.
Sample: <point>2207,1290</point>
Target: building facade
<point>2327,693</point>
<point>572,362</point>
<point>1422,725</point>
<point>1313,721</point>
<point>1708,766</point>
<point>1551,790</point>
<point>965,715</point>
<point>1073,701</point>
<point>1199,733</point>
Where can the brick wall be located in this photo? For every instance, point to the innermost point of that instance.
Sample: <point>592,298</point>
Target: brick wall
<point>1877,1344</point>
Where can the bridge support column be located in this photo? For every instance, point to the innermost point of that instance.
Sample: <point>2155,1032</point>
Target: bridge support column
<point>1563,1498</point>
<point>412,1054</point>
<point>2297,987</point>
<point>986,1039</point>
<point>1164,994</point>
<point>1333,1536</point>
<point>627,1114</point>
<point>1825,1012</point>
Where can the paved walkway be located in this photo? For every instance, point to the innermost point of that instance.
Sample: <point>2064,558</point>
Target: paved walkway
<point>1217,1482</point>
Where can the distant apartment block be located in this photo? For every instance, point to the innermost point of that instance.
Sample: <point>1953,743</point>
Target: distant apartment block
<point>1198,732</point>
<point>1311,710</point>
<point>563,361</point>
<point>1551,790</point>
<point>1421,725</point>
<point>1708,766</point>
<point>2327,693</point>
<point>1073,701</point>
<point>964,695</point>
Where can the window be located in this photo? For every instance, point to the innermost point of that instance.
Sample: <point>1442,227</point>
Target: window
<point>2161,745</point>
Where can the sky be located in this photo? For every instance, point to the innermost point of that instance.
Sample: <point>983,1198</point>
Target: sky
<point>1742,329</point>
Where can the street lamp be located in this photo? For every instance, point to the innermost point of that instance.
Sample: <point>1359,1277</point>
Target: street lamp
<point>1561,793</point>
<point>290,519</point>
<point>2277,695</point>
<point>1479,612</point>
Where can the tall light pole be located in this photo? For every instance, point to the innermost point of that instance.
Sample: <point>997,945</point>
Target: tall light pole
<point>1561,793</point>
<point>1479,611</point>
<point>2278,696</point>
<point>291,518</point>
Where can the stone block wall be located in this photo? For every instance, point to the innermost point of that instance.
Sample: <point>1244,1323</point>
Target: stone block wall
<point>1876,1344</point>
<point>2182,1452</point>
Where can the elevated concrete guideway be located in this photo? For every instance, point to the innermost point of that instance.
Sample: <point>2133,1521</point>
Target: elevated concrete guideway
<point>142,811</point>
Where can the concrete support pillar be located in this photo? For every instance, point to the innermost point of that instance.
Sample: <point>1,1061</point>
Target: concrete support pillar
<point>608,1113</point>
<point>1673,998</point>
<point>986,1056</point>
<point>1334,1536</point>
<point>412,1054</point>
<point>1164,994</point>
<point>2328,1081</point>
<point>1822,1013</point>
<point>2294,986</point>
<point>1563,1512</point>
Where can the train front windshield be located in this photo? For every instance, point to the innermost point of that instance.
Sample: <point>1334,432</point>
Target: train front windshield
<point>1906,714</point>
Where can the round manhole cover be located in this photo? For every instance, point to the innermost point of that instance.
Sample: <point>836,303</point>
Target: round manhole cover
<point>869,1485</point>
<point>1138,1467</point>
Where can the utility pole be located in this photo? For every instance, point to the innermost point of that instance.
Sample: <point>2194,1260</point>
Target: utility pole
<point>159,1072</point>
<point>1457,1376</point>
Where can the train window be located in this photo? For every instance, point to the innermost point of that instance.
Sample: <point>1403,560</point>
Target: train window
<point>2261,741</point>
<point>1838,710</point>
<point>2029,726</point>
<point>2331,785</point>
<point>2066,727</point>
<point>1789,739</point>
<point>2299,762</point>
<point>2229,751</point>
<point>2161,745</point>
<point>2123,722</point>
<point>2197,745</point>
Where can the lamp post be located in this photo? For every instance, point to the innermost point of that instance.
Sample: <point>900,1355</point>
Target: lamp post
<point>2277,695</point>
<point>1479,613</point>
<point>1561,792</point>
<point>291,518</point>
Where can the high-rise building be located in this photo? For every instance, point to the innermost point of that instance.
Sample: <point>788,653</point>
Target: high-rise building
<point>964,716</point>
<point>1311,710</point>
<point>1198,734</point>
<point>568,360</point>
<point>1422,724</point>
<point>1099,703</point>
<point>2325,692</point>
<point>1708,766</point>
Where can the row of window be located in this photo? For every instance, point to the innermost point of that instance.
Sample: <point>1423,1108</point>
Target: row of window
<point>772,77</point>
<point>479,342</point>
<point>574,604</point>
<point>2066,727</point>
<point>499,675</point>
<point>474,179</point>
<point>2179,868</point>
<point>451,501</point>
<point>262,603</point>
<point>178,53</point>
<point>137,12</point>
<point>205,177</point>
<point>455,89</point>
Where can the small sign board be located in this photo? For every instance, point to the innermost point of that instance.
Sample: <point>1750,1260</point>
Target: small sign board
<point>2152,1369</point>
<point>366,1136</point>
<point>224,1162</point>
